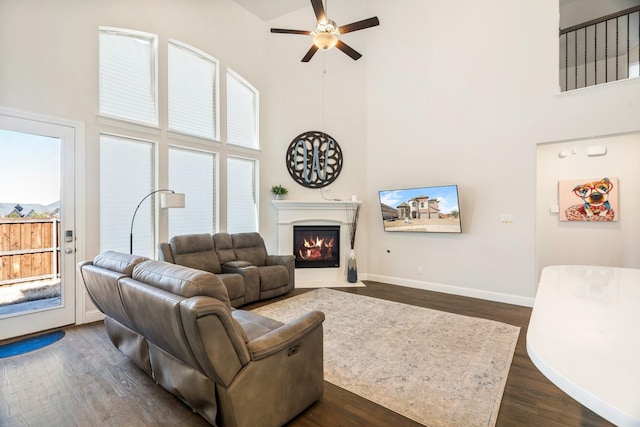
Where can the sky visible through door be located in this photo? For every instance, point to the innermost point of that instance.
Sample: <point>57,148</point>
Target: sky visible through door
<point>29,221</point>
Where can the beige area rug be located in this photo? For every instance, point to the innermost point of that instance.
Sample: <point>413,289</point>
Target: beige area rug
<point>437,368</point>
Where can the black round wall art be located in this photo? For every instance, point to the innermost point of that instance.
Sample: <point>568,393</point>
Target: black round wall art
<point>314,159</point>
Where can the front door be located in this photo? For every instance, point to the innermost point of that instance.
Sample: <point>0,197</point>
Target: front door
<point>37,225</point>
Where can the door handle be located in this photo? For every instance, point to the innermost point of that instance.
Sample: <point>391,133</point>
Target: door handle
<point>68,251</point>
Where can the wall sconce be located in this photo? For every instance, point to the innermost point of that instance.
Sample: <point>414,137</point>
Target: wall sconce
<point>168,199</point>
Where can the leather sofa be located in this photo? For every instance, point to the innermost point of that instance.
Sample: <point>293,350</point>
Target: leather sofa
<point>234,367</point>
<point>240,260</point>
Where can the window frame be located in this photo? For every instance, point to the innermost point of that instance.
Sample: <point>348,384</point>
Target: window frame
<point>255,189</point>
<point>216,95</point>
<point>256,114</point>
<point>216,182</point>
<point>153,38</point>
<point>151,205</point>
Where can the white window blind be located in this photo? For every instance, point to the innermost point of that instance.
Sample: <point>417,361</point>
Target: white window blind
<point>128,87</point>
<point>193,173</point>
<point>193,98</point>
<point>242,112</point>
<point>242,208</point>
<point>126,177</point>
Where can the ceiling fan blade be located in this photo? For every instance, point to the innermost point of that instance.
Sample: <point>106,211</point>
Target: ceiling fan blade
<point>310,53</point>
<point>360,25</point>
<point>318,9</point>
<point>348,50</point>
<point>283,31</point>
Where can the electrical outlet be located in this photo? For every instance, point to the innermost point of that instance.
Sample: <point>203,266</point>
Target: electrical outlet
<point>419,270</point>
<point>506,219</point>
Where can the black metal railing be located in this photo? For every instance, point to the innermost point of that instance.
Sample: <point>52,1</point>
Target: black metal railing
<point>601,50</point>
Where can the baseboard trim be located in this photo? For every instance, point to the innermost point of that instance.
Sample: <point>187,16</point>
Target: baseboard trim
<point>93,316</point>
<point>454,290</point>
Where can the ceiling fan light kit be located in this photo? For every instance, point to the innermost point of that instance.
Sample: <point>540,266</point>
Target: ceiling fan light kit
<point>325,35</point>
<point>325,41</point>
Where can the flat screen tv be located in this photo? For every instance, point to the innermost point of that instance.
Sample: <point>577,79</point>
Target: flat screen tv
<point>421,209</point>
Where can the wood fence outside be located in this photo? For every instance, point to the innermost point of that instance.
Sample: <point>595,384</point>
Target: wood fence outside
<point>29,249</point>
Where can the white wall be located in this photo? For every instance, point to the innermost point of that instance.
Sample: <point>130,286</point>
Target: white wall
<point>326,94</point>
<point>614,243</point>
<point>472,88</point>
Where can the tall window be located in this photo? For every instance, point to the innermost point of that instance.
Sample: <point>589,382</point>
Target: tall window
<point>193,173</point>
<point>242,206</point>
<point>129,92</point>
<point>193,91</point>
<point>128,69</point>
<point>126,177</point>
<point>242,112</point>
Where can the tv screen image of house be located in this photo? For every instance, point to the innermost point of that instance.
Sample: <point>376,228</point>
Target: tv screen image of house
<point>421,209</point>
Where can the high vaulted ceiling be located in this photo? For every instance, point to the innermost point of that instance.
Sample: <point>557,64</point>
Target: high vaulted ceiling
<point>270,9</point>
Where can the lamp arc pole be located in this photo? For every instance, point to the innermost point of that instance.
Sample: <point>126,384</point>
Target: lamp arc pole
<point>136,211</point>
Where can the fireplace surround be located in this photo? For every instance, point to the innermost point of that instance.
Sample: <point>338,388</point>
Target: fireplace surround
<point>322,212</point>
<point>316,246</point>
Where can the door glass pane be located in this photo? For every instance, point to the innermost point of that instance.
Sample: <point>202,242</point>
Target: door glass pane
<point>29,222</point>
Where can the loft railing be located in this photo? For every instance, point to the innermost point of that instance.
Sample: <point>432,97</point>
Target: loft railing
<point>601,50</point>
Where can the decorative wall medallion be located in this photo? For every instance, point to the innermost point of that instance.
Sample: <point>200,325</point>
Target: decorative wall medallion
<point>314,159</point>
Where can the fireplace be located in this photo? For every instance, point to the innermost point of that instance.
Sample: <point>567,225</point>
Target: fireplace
<point>316,246</point>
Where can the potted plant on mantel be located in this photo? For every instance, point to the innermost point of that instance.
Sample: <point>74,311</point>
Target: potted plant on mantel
<point>278,191</point>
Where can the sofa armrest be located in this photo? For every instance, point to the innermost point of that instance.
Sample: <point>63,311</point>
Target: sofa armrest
<point>251,276</point>
<point>289,261</point>
<point>285,260</point>
<point>236,264</point>
<point>285,336</point>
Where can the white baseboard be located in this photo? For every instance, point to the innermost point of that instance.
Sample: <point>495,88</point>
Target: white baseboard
<point>454,290</point>
<point>93,316</point>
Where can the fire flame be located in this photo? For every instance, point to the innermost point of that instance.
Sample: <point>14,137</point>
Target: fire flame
<point>314,248</point>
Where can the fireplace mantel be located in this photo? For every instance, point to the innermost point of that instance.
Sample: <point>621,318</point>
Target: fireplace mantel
<point>316,212</point>
<point>342,205</point>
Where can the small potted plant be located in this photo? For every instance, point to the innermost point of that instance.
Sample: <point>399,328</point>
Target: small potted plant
<point>278,191</point>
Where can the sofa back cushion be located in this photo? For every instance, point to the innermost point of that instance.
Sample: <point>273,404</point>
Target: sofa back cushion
<point>117,261</point>
<point>184,281</point>
<point>195,251</point>
<point>224,247</point>
<point>155,314</point>
<point>250,247</point>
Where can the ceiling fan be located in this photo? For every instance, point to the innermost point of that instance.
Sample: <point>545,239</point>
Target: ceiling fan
<point>325,35</point>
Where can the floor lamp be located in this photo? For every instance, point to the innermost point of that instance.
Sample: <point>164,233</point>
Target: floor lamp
<point>168,199</point>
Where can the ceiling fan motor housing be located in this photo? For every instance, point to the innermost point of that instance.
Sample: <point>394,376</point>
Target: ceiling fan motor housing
<point>325,35</point>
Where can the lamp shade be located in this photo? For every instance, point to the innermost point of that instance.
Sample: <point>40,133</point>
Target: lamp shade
<point>172,200</point>
<point>175,201</point>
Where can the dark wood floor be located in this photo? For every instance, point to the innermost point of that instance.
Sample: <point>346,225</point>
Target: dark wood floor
<point>83,380</point>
